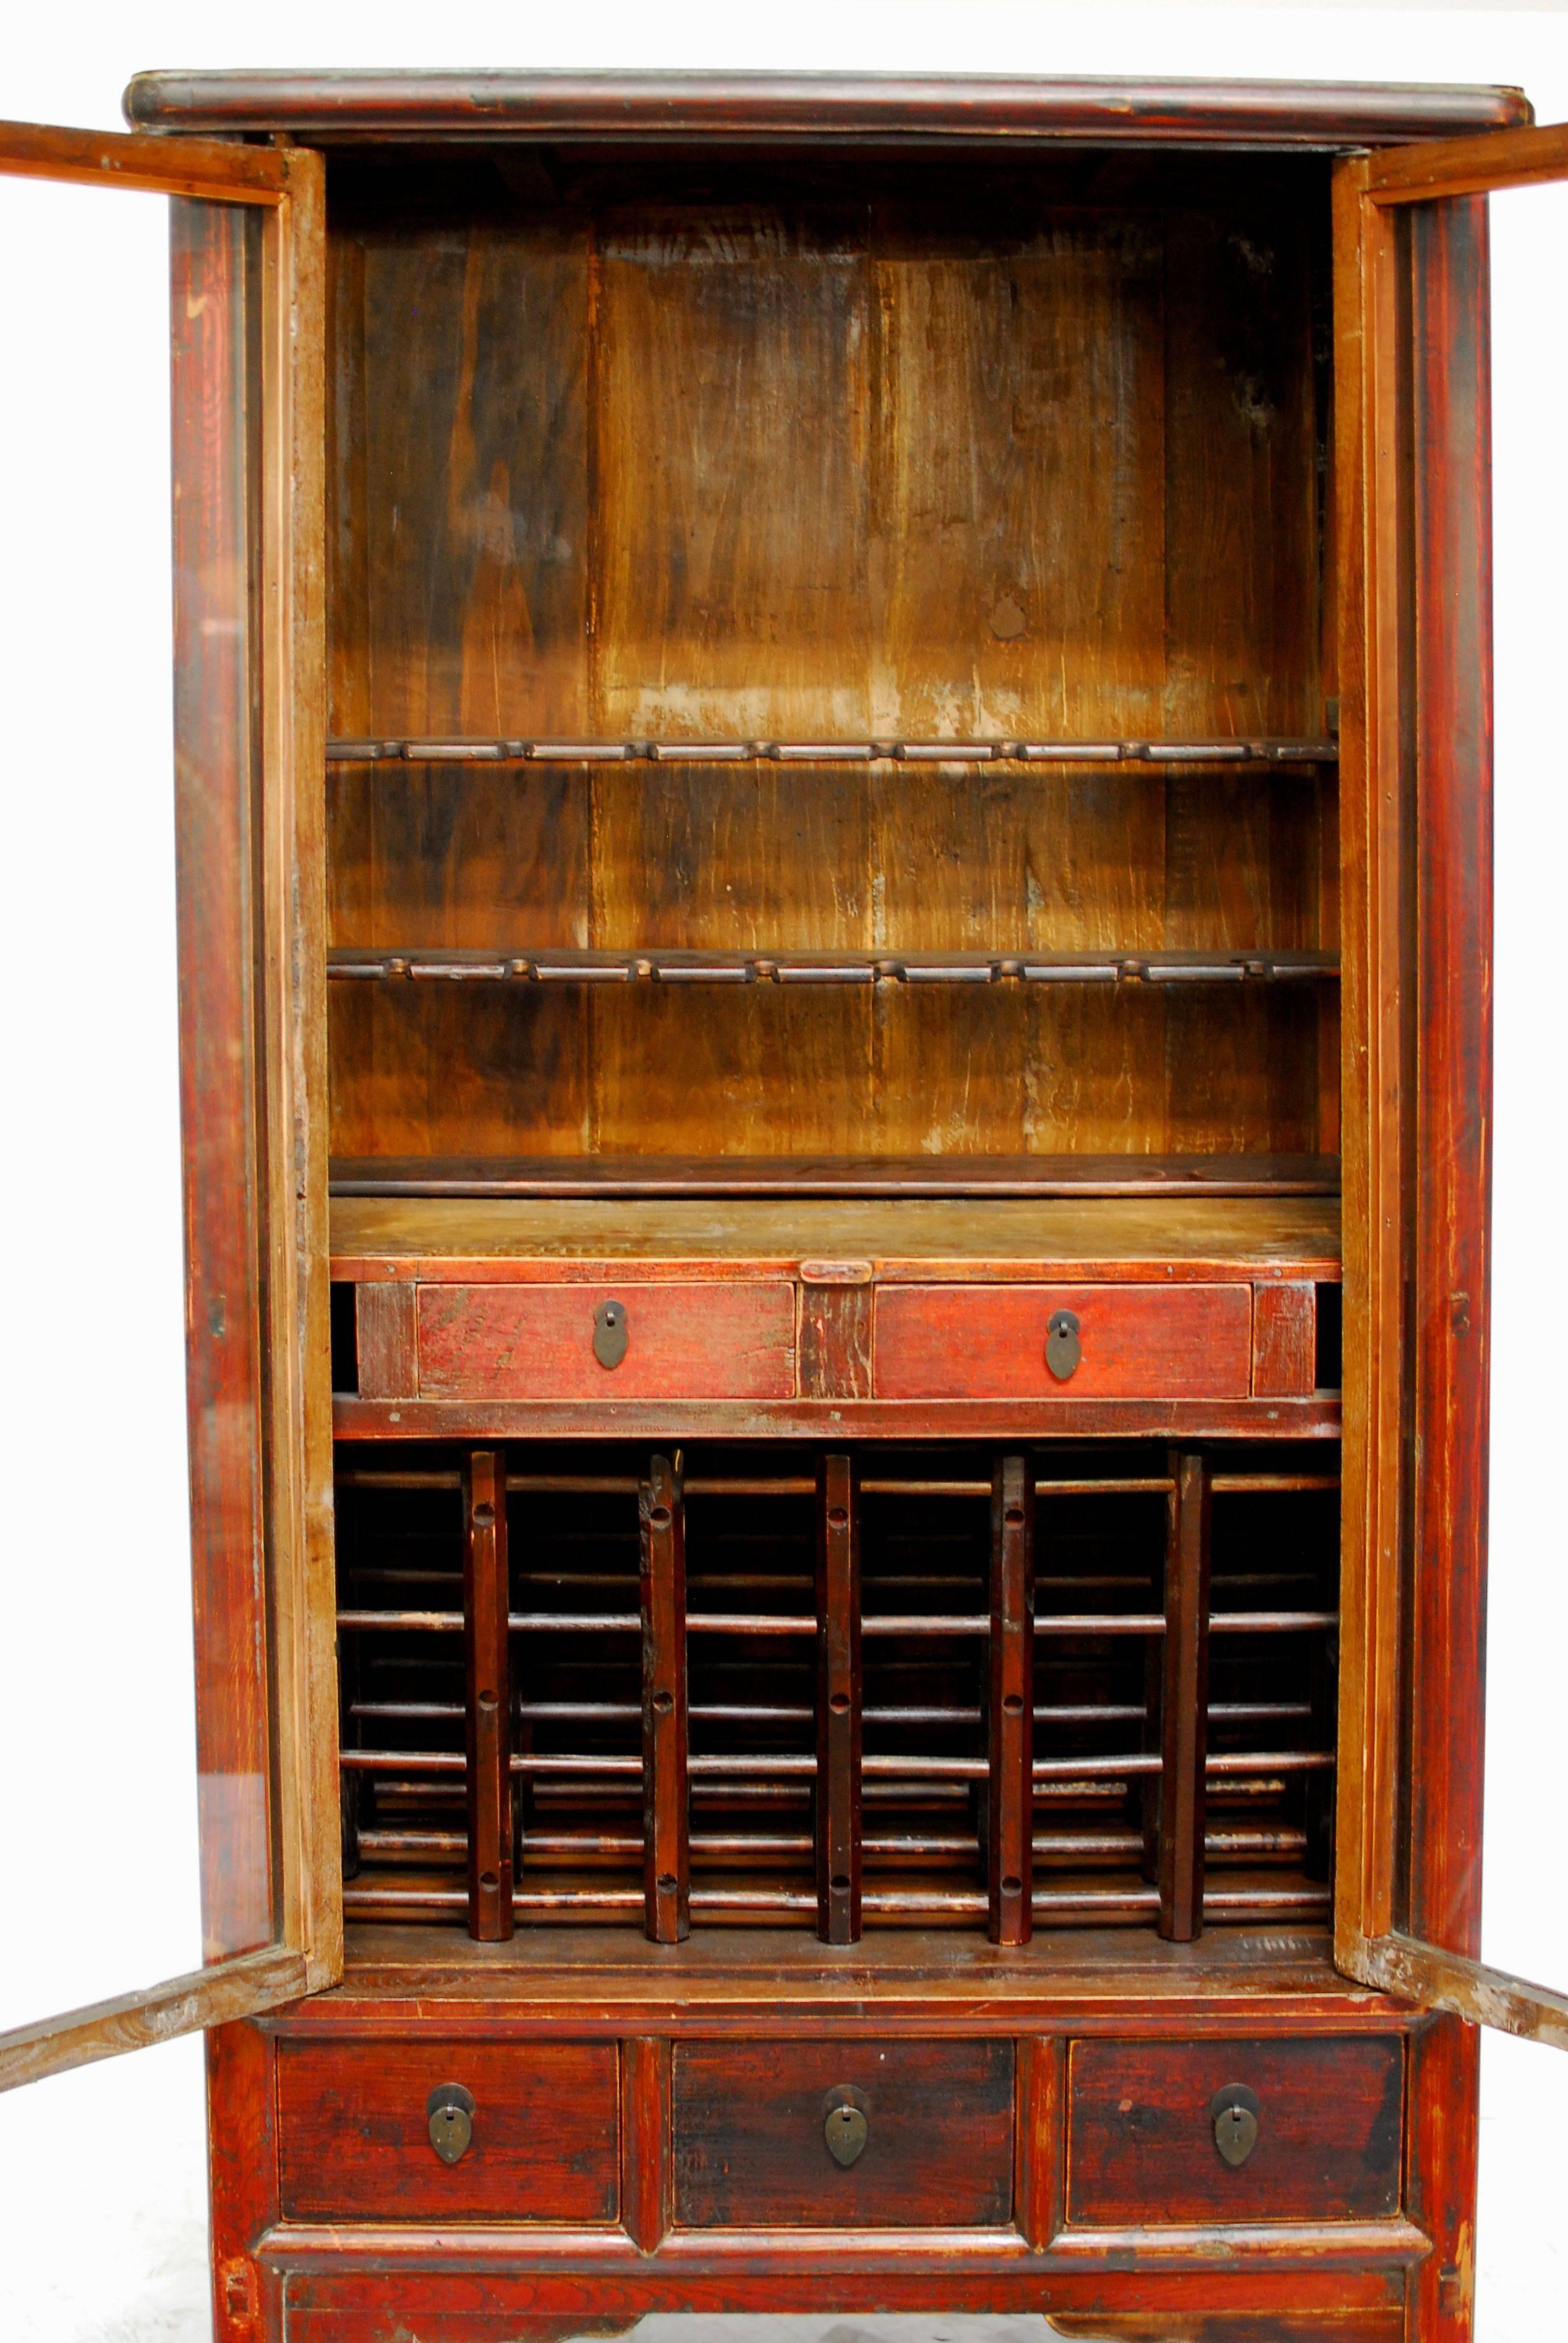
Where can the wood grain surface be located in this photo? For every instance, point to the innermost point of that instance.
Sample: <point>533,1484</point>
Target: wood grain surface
<point>535,1341</point>
<point>750,2151</point>
<point>354,2139</point>
<point>1057,475</point>
<point>977,1342</point>
<point>1141,2144</point>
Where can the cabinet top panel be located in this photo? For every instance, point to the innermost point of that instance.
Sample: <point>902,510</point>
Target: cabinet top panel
<point>352,107</point>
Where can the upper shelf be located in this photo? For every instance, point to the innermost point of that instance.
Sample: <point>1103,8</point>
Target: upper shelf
<point>350,964</point>
<point>1153,753</point>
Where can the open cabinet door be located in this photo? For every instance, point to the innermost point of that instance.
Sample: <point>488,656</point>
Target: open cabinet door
<point>1438,1302</point>
<point>246,1155</point>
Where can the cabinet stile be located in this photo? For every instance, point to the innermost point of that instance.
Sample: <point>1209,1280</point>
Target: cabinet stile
<point>839,1693</point>
<point>1010,1836</point>
<point>666,1822</point>
<point>488,1707</point>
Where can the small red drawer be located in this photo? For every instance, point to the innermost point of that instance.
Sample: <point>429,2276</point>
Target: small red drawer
<point>1141,2146</point>
<point>1135,1342</point>
<point>537,1342</point>
<point>354,2132</point>
<point>750,2135</point>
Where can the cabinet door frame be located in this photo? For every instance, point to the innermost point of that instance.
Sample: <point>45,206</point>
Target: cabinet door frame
<point>248,328</point>
<point>1413,454</point>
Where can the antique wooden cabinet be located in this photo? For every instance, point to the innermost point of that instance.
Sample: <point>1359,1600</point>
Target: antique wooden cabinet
<point>834,800</point>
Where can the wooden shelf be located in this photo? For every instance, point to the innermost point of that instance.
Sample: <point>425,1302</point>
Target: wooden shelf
<point>358,964</point>
<point>1154,753</point>
<point>867,1176</point>
<point>1167,1237</point>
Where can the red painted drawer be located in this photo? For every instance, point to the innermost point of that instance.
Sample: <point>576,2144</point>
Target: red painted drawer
<point>751,2147</point>
<point>1137,1342</point>
<point>353,2137</point>
<point>1140,2141</point>
<point>535,1341</point>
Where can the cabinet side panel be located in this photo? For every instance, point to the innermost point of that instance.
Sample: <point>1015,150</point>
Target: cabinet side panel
<point>215,329</point>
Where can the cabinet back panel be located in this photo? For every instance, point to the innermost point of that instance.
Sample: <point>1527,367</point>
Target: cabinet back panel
<point>482,1069</point>
<point>886,463</point>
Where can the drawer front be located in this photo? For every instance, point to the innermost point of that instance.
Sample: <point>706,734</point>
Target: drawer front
<point>1141,2145</point>
<point>353,2137</point>
<point>537,1342</point>
<point>1135,1342</point>
<point>750,2135</point>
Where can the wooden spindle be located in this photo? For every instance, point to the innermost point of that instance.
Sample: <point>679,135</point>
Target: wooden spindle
<point>1009,1832</point>
<point>486,1608</point>
<point>1184,1700</point>
<point>839,1702</point>
<point>1151,1743</point>
<point>665,1806</point>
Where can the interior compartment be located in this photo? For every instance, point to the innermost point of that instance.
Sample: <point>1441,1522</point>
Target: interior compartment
<point>828,665</point>
<point>1113,1572</point>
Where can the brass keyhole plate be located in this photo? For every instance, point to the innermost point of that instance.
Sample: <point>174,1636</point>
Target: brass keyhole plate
<point>449,2114</point>
<point>1063,1348</point>
<point>1235,2111</point>
<point>610,1334</point>
<point>846,2131</point>
<point>846,2123</point>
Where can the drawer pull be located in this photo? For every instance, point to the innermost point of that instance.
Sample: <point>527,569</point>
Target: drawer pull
<point>1235,2110</point>
<point>609,1333</point>
<point>847,2127</point>
<point>449,2111</point>
<point>1063,1348</point>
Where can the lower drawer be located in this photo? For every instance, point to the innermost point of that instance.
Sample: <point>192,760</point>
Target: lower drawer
<point>1133,1342</point>
<point>1141,2145</point>
<point>751,2124</point>
<point>354,2136</point>
<point>679,1341</point>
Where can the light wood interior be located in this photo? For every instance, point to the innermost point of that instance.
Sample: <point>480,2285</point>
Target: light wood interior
<point>656,445</point>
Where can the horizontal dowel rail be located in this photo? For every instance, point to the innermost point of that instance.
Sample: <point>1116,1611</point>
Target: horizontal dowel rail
<point>444,749</point>
<point>1033,1176</point>
<point>357,964</point>
<point>1237,1484</point>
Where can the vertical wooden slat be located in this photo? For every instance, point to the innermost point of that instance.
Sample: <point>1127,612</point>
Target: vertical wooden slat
<point>1038,2144</point>
<point>839,1697</point>
<point>1009,1834</point>
<point>489,1705</point>
<point>1185,1701</point>
<point>666,1804</point>
<point>1152,1741</point>
<point>645,2180</point>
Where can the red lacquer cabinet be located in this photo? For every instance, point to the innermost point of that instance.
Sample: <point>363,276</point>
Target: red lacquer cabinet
<point>835,924</point>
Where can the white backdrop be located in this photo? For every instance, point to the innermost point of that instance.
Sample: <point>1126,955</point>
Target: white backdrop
<point>102,2193</point>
